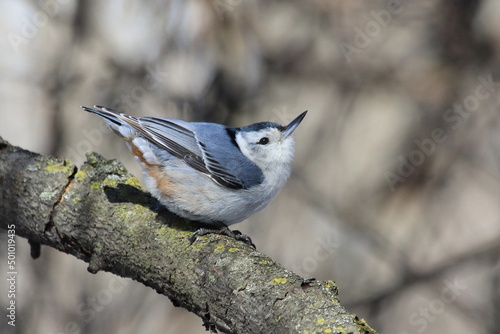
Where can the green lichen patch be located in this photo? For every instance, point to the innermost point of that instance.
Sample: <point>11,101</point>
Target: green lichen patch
<point>95,185</point>
<point>133,181</point>
<point>363,326</point>
<point>80,176</point>
<point>279,280</point>
<point>220,248</point>
<point>94,158</point>
<point>110,181</point>
<point>330,286</point>
<point>59,167</point>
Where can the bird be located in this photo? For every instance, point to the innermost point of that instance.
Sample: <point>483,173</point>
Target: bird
<point>208,172</point>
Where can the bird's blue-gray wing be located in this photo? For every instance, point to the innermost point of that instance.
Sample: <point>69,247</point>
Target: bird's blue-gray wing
<point>178,139</point>
<point>219,145</point>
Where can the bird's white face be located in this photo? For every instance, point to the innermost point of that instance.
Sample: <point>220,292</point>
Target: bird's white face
<point>271,147</point>
<point>268,148</point>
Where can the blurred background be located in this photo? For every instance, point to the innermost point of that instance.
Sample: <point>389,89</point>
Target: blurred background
<point>396,181</point>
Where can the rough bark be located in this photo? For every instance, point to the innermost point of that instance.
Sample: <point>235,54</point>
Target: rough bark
<point>99,214</point>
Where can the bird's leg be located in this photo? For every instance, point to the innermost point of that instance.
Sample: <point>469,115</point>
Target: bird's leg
<point>223,230</point>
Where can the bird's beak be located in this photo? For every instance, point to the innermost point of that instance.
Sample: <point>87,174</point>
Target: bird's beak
<point>288,130</point>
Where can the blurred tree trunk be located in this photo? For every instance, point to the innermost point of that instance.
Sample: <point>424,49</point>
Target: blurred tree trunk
<point>99,214</point>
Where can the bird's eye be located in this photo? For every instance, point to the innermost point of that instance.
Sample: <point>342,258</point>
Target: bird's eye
<point>263,141</point>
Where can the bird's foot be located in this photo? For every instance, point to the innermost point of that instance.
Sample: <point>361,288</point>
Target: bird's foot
<point>235,234</point>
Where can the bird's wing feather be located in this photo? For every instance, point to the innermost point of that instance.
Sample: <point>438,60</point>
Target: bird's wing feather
<point>175,137</point>
<point>171,135</point>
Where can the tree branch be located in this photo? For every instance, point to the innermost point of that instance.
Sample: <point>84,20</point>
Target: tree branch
<point>99,214</point>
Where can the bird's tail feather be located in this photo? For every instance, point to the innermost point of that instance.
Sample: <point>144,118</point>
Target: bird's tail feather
<point>106,113</point>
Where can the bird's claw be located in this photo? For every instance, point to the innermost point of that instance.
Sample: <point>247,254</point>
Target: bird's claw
<point>223,231</point>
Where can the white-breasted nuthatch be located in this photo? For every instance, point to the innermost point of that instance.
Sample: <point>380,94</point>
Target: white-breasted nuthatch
<point>208,172</point>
